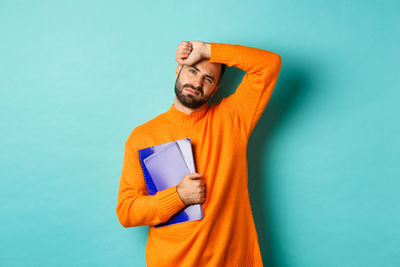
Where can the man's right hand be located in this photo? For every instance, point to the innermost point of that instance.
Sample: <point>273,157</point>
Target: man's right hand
<point>192,189</point>
<point>189,53</point>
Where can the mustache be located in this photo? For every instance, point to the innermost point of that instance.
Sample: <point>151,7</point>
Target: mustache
<point>198,89</point>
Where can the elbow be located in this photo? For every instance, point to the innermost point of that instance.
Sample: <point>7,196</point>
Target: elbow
<point>279,59</point>
<point>127,216</point>
<point>275,65</point>
<point>271,66</point>
<point>272,59</point>
<point>132,212</point>
<point>278,62</point>
<point>124,214</point>
<point>123,220</point>
<point>124,224</point>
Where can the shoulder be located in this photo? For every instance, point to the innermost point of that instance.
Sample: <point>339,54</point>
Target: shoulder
<point>139,133</point>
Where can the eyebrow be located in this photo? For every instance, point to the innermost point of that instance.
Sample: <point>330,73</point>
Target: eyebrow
<point>206,75</point>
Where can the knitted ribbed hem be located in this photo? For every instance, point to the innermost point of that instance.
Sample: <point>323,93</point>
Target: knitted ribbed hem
<point>252,260</point>
<point>221,53</point>
<point>169,201</point>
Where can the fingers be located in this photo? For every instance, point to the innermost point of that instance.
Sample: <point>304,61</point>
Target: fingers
<point>194,189</point>
<point>201,195</point>
<point>194,175</point>
<point>202,200</point>
<point>197,177</point>
<point>179,60</point>
<point>187,46</point>
<point>183,51</point>
<point>180,57</point>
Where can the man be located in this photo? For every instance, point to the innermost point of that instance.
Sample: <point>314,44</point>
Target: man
<point>219,133</point>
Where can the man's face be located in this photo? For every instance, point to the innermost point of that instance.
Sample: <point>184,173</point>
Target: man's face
<point>195,84</point>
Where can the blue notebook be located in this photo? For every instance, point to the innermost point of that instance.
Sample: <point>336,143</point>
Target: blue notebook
<point>164,166</point>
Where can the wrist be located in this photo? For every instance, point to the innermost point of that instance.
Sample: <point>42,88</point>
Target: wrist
<point>179,194</point>
<point>206,50</point>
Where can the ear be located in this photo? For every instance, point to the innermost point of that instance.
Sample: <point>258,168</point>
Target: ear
<point>215,90</point>
<point>178,69</point>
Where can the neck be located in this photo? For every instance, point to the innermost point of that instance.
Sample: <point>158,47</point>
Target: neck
<point>178,105</point>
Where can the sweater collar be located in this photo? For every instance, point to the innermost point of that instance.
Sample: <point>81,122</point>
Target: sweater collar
<point>181,118</point>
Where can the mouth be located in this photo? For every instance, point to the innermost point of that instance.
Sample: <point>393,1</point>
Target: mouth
<point>192,91</point>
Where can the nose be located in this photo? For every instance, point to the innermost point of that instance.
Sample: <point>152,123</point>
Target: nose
<point>198,81</point>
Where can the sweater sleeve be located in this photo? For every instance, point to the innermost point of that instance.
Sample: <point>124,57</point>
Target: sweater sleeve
<point>262,69</point>
<point>135,207</point>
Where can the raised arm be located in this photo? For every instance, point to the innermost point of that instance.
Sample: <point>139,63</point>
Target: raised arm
<point>262,69</point>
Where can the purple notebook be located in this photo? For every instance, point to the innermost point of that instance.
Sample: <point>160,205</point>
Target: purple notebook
<point>164,166</point>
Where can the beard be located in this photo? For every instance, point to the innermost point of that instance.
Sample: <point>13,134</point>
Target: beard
<point>189,100</point>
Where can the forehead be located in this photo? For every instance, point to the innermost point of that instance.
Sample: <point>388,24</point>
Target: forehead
<point>206,67</point>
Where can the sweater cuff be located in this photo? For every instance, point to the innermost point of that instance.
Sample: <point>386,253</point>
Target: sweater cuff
<point>221,53</point>
<point>169,201</point>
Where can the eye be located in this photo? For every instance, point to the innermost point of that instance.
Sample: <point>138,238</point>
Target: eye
<point>192,71</point>
<point>209,80</point>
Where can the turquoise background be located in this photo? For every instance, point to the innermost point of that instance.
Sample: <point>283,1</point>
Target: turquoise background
<point>77,76</point>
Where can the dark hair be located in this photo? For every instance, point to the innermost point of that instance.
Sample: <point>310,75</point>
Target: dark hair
<point>223,67</point>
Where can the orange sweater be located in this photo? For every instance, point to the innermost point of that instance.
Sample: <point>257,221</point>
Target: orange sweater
<point>219,133</point>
